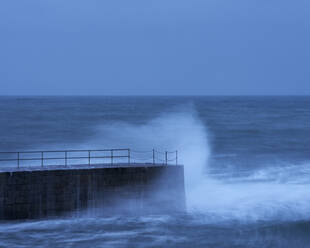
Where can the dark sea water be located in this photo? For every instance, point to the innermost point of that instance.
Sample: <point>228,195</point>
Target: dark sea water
<point>247,167</point>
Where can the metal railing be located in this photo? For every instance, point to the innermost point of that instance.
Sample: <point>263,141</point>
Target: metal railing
<point>90,157</point>
<point>156,157</point>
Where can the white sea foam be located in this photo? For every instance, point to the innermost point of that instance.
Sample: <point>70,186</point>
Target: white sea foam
<point>262,195</point>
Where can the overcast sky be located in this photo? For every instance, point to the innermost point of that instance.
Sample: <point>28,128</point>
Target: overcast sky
<point>154,47</point>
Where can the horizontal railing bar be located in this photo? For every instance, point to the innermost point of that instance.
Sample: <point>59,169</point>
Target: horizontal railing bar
<point>21,159</point>
<point>111,157</point>
<point>45,158</point>
<point>27,159</point>
<point>106,150</point>
<point>96,150</point>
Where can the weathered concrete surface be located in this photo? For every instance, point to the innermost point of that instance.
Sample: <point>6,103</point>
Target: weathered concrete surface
<point>44,193</point>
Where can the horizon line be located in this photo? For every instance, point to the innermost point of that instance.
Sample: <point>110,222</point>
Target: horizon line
<point>154,95</point>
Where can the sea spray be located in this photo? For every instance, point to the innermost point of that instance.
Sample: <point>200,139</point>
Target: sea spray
<point>221,199</point>
<point>175,130</point>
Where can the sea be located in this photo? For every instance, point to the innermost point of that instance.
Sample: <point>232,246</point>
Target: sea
<point>246,162</point>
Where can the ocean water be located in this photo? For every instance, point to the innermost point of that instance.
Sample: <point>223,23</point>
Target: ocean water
<point>247,167</point>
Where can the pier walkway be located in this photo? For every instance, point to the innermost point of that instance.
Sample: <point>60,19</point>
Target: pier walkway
<point>41,184</point>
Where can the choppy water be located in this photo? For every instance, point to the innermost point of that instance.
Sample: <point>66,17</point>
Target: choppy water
<point>247,167</point>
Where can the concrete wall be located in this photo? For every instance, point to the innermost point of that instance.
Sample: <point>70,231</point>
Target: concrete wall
<point>37,194</point>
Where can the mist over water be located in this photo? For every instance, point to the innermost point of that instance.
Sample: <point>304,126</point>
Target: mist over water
<point>246,162</point>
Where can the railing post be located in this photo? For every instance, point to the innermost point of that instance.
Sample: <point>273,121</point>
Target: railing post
<point>153,156</point>
<point>176,157</point>
<point>111,156</point>
<point>66,158</point>
<point>166,157</point>
<point>41,159</point>
<point>128,156</point>
<point>17,159</point>
<point>89,158</point>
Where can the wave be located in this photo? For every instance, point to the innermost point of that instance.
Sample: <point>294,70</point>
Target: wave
<point>275,192</point>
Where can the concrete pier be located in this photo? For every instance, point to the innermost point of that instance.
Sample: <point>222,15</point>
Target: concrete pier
<point>46,192</point>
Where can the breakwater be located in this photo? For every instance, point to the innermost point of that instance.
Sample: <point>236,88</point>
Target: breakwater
<point>45,192</point>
